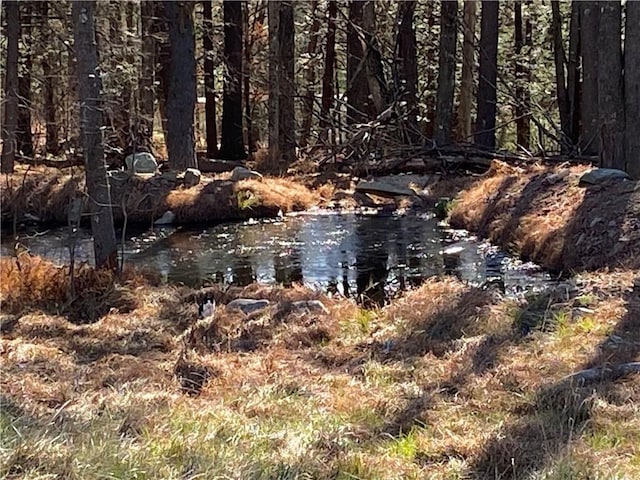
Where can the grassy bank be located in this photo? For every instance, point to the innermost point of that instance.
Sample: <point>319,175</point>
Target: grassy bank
<point>45,193</point>
<point>447,382</point>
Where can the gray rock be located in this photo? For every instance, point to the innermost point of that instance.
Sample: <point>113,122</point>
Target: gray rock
<point>310,305</point>
<point>383,189</point>
<point>247,305</point>
<point>598,176</point>
<point>142,162</point>
<point>166,219</point>
<point>118,175</point>
<point>192,177</point>
<point>242,173</point>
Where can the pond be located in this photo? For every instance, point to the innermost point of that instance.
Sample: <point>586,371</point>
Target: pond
<point>374,256</point>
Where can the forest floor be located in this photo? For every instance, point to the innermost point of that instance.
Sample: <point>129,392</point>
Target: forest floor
<point>448,381</point>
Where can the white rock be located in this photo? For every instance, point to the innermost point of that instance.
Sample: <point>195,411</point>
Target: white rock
<point>142,162</point>
<point>310,305</point>
<point>192,177</point>
<point>247,305</point>
<point>242,173</point>
<point>166,219</point>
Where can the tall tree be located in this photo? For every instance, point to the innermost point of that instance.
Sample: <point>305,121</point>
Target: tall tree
<point>406,67</point>
<point>573,74</point>
<point>52,144</point>
<point>232,143</point>
<point>523,76</point>
<point>12,12</point>
<point>209,81</point>
<point>610,85</point>
<point>24,134</point>
<point>146,80</point>
<point>89,82</point>
<point>181,93</point>
<point>589,46</point>
<point>308,100</point>
<point>632,89</point>
<point>328,73</point>
<point>282,139</point>
<point>468,62</point>
<point>446,71</point>
<point>485,135</point>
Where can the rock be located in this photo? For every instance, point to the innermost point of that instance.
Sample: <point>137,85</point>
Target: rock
<point>192,177</point>
<point>242,173</point>
<point>118,175</point>
<point>451,257</point>
<point>310,305</point>
<point>247,305</point>
<point>598,176</point>
<point>383,189</point>
<point>166,219</point>
<point>142,162</point>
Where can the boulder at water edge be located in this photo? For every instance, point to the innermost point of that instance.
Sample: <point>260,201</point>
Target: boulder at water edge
<point>142,162</point>
<point>247,305</point>
<point>598,176</point>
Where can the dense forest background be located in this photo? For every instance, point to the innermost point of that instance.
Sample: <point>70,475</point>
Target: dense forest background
<point>356,83</point>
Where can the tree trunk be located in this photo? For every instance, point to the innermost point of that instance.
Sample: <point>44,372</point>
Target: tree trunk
<point>573,74</point>
<point>610,86</point>
<point>104,238</point>
<point>357,86</point>
<point>485,135</point>
<point>446,71</point>
<point>308,100</point>
<point>24,134</point>
<point>232,142</point>
<point>181,98</point>
<point>209,81</point>
<point>328,73</point>
<point>146,80</point>
<point>632,89</point>
<point>406,68</point>
<point>468,62</point>
<point>589,46</point>
<point>52,145</point>
<point>523,77</point>
<point>162,63</point>
<point>559,61</point>
<point>281,84</point>
<point>12,11</point>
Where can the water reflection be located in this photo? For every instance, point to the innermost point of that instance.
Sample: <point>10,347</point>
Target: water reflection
<point>369,257</point>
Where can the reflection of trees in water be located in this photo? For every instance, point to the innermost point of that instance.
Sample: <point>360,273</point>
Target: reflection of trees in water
<point>288,268</point>
<point>371,263</point>
<point>242,271</point>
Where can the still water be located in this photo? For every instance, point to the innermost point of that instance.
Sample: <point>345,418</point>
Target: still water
<point>371,255</point>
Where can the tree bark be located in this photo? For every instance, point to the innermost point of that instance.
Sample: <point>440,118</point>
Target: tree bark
<point>52,145</point>
<point>308,100</point>
<point>632,89</point>
<point>181,98</point>
<point>328,73</point>
<point>24,134</point>
<point>485,135</point>
<point>406,68</point>
<point>573,74</point>
<point>232,142</point>
<point>523,77</point>
<point>209,81</point>
<point>468,63</point>
<point>559,62</point>
<point>9,129</point>
<point>89,83</point>
<point>146,80</point>
<point>610,86</point>
<point>282,140</point>
<point>446,71</point>
<point>357,86</point>
<point>589,46</point>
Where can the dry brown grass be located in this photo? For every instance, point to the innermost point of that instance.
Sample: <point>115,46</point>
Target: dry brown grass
<point>544,215</point>
<point>30,283</point>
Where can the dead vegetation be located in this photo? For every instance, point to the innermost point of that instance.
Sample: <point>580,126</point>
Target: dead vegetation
<point>46,193</point>
<point>542,214</point>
